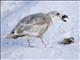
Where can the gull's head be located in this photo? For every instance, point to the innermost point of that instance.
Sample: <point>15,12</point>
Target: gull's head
<point>60,16</point>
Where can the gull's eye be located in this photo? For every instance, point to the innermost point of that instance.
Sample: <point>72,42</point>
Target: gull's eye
<point>58,14</point>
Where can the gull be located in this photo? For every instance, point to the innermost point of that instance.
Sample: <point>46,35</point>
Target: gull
<point>35,25</point>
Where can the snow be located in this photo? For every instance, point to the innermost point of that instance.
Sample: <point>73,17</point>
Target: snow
<point>13,11</point>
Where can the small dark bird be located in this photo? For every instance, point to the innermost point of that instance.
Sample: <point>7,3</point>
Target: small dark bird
<point>67,41</point>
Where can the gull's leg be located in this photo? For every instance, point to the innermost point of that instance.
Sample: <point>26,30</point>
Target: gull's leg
<point>29,43</point>
<point>43,42</point>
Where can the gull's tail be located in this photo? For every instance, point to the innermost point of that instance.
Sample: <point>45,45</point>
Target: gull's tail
<point>11,36</point>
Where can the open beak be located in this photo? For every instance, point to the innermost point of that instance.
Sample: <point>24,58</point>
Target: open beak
<point>63,18</point>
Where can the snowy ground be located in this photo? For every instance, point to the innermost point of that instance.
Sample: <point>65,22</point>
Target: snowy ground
<point>12,12</point>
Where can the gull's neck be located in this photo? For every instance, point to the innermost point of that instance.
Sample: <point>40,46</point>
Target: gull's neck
<point>51,17</point>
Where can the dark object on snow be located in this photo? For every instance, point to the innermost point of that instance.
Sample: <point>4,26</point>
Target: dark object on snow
<point>67,41</point>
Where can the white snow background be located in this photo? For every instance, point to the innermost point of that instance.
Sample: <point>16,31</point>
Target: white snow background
<point>13,11</point>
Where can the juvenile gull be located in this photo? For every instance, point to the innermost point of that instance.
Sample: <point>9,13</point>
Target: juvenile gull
<point>35,25</point>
